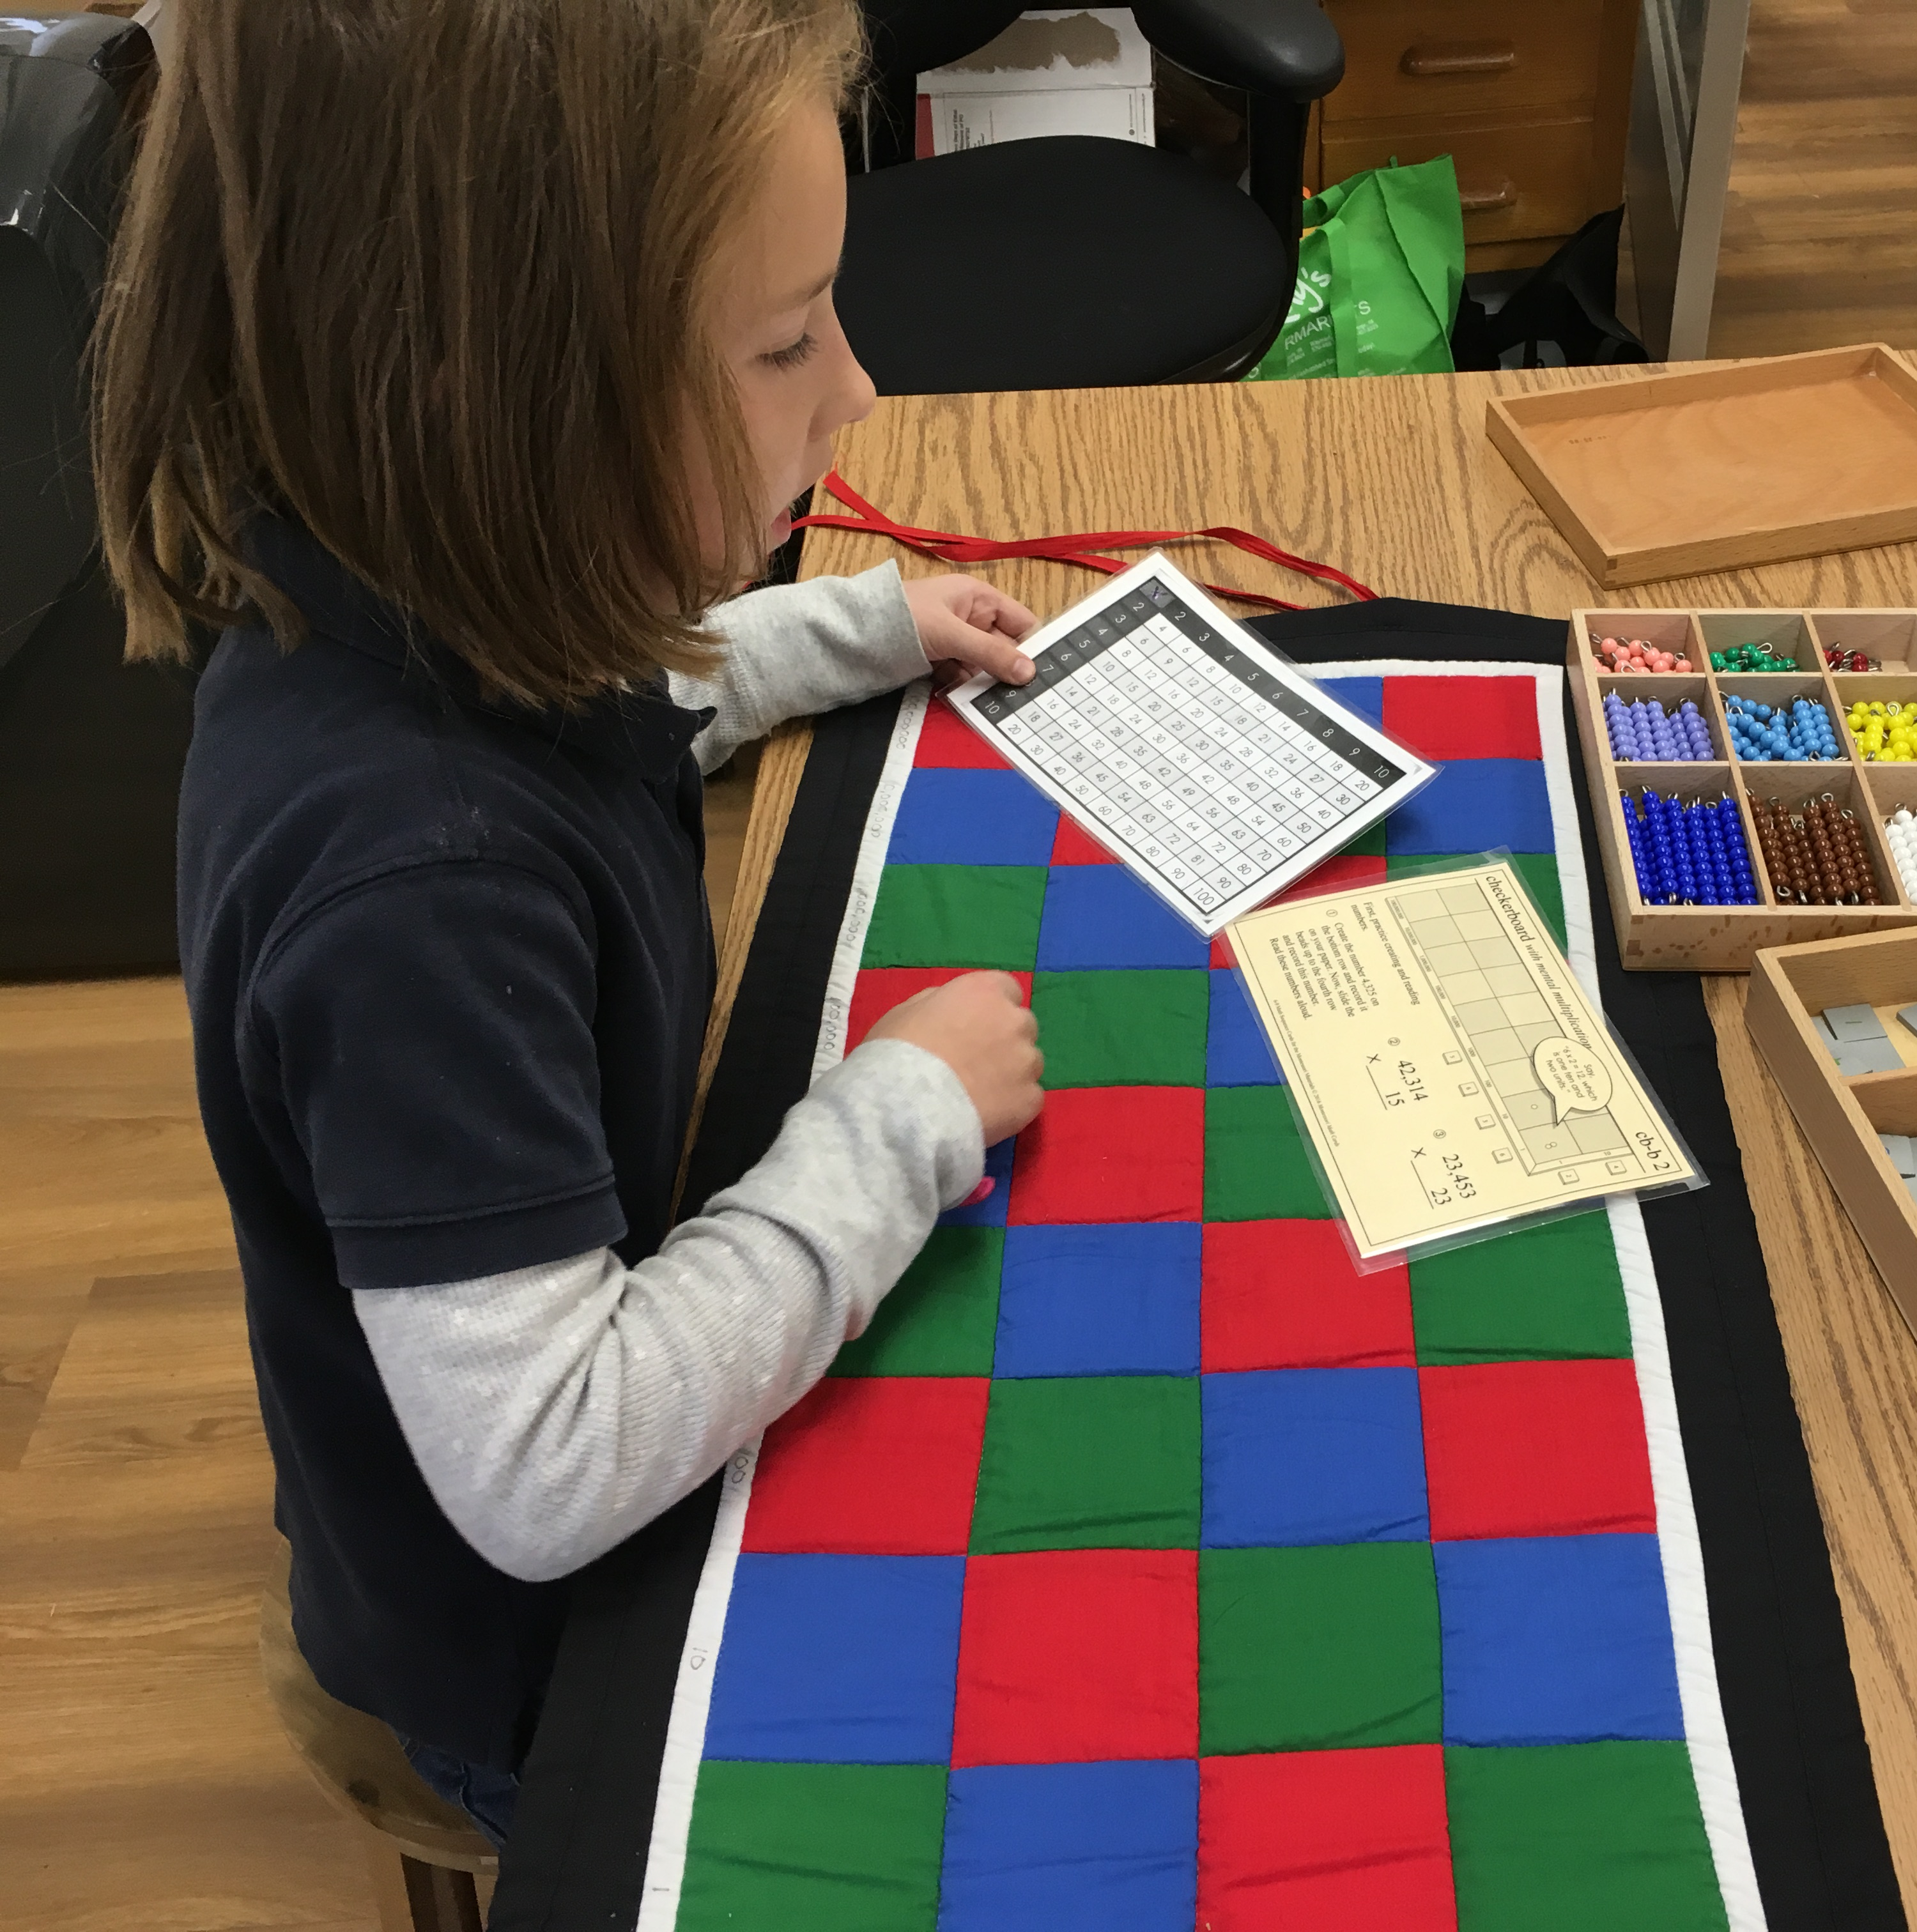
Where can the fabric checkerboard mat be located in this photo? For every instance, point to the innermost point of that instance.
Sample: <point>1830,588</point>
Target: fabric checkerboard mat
<point>1143,1566</point>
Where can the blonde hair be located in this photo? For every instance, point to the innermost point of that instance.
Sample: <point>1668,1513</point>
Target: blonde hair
<point>432,277</point>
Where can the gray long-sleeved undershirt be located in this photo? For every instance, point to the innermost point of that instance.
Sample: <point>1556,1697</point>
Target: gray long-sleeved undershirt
<point>553,1410</point>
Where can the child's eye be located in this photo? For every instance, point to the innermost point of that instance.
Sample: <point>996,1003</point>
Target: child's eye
<point>794,353</point>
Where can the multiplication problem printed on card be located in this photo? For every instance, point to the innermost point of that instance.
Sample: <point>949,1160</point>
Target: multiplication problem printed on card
<point>1214,768</point>
<point>1449,1070</point>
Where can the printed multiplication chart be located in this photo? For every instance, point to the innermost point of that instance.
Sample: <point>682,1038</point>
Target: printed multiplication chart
<point>1218,772</point>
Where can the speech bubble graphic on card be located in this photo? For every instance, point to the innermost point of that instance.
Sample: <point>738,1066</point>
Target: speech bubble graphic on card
<point>1577,1080</point>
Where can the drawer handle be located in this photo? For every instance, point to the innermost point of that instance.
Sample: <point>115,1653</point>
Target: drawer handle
<point>1459,57</point>
<point>1481,196</point>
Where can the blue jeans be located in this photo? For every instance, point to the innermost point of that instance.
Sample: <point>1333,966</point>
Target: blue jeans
<point>487,1797</point>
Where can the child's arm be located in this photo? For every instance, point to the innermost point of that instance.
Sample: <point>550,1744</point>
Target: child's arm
<point>796,649</point>
<point>553,1410</point>
<point>429,1037</point>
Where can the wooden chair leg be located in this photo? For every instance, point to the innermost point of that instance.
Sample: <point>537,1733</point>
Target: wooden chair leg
<point>414,1896</point>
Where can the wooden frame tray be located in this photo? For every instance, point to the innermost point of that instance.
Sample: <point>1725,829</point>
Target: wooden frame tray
<point>1725,939</point>
<point>1677,475</point>
<point>1842,1116</point>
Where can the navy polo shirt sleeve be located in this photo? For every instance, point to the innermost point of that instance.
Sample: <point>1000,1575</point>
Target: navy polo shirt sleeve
<point>431,1034</point>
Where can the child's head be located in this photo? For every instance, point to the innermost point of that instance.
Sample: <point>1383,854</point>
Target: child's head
<point>522,307</point>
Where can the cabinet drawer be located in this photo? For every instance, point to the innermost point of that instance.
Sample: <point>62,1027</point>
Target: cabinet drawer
<point>1407,58</point>
<point>1531,178</point>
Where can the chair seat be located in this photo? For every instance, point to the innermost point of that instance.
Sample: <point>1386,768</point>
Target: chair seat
<point>1067,262</point>
<point>357,1763</point>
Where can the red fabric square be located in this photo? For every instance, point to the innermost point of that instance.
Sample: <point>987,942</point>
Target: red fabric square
<point>872,1465</point>
<point>1221,954</point>
<point>1336,874</point>
<point>1283,1295</point>
<point>878,989</point>
<point>1535,1449</point>
<point>1463,717</point>
<point>1344,1839</point>
<point>1112,1154</point>
<point>1075,846</point>
<point>1068,1655</point>
<point>946,740</point>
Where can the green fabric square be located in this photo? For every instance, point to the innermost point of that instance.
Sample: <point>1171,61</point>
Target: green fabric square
<point>1538,870</point>
<point>1256,1165</point>
<point>814,1848</point>
<point>1580,1838</point>
<point>957,916</point>
<point>1123,1029</point>
<point>942,1319</point>
<point>1322,1648</point>
<point>1089,1462</point>
<point>1547,1294</point>
<point>1368,845</point>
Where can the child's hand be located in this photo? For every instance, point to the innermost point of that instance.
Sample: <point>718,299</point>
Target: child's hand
<point>981,1027</point>
<point>966,626</point>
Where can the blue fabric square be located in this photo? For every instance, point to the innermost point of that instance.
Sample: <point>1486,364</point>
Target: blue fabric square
<point>838,1660</point>
<point>1298,1456</point>
<point>1475,805</point>
<point>1556,1640</point>
<point>1364,695</point>
<point>989,1213</point>
<point>1109,1299</point>
<point>1105,1847</point>
<point>972,818</point>
<point>1102,916</point>
<point>1236,1051</point>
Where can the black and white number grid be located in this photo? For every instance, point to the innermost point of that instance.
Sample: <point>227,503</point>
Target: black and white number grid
<point>1187,747</point>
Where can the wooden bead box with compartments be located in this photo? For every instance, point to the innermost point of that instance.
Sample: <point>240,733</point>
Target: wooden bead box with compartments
<point>1858,1123</point>
<point>1806,833</point>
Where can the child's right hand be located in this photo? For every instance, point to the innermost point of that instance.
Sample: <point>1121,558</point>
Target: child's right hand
<point>981,1027</point>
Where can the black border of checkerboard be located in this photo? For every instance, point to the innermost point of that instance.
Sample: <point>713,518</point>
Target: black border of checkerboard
<point>577,1857</point>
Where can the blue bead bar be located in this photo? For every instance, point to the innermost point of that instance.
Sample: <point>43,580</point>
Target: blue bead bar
<point>1692,854</point>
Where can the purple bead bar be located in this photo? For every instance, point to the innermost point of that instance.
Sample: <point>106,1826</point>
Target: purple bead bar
<point>1646,732</point>
<point>1692,854</point>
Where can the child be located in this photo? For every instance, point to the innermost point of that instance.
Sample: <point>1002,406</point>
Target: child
<point>460,353</point>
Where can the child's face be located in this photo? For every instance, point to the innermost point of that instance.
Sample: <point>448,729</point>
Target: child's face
<point>799,381</point>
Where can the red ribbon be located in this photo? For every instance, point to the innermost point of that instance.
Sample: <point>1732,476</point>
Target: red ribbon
<point>950,548</point>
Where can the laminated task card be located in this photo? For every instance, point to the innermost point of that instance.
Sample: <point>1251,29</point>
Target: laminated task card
<point>1448,1068</point>
<point>1211,766</point>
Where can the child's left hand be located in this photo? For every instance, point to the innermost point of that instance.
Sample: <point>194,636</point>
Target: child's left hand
<point>966,626</point>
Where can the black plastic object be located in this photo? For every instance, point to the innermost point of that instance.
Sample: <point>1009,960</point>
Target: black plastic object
<point>1562,314</point>
<point>90,750</point>
<point>1287,51</point>
<point>64,87</point>
<point>1199,282</point>
<point>1060,310</point>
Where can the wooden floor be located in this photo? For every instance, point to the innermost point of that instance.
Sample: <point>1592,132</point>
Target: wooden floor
<point>144,1786</point>
<point>1820,233</point>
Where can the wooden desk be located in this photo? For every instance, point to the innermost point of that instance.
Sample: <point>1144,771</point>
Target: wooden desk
<point>1393,479</point>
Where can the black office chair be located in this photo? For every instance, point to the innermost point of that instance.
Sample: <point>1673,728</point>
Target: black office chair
<point>91,749</point>
<point>1071,261</point>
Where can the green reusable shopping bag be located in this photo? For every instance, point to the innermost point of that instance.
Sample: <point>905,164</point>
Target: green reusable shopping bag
<point>1378,278</point>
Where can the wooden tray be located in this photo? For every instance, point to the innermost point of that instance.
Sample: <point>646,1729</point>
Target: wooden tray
<point>1725,939</point>
<point>1677,474</point>
<point>1841,1117</point>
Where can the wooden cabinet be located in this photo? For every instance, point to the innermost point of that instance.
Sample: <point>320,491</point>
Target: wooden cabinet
<point>1531,101</point>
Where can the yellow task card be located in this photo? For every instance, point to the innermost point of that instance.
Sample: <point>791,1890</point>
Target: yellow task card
<point>1449,1070</point>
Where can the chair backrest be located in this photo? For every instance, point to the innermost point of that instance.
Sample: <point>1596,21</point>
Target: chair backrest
<point>67,84</point>
<point>907,38</point>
